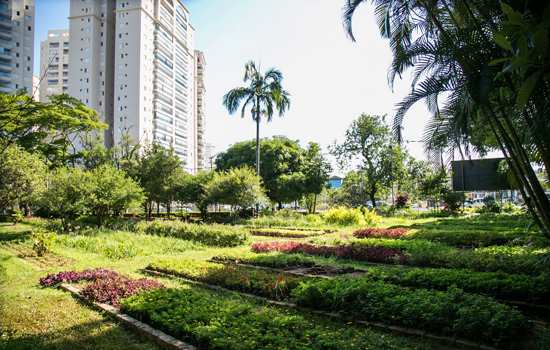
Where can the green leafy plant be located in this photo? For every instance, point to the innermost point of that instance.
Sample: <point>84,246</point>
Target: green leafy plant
<point>42,241</point>
<point>343,216</point>
<point>16,216</point>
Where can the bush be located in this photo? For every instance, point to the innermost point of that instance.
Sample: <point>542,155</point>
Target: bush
<point>350,251</point>
<point>16,216</point>
<point>240,278</point>
<point>452,312</point>
<point>212,320</point>
<point>490,205</point>
<point>343,216</point>
<point>211,235</point>
<point>380,232</point>
<point>453,201</point>
<point>401,201</point>
<point>42,241</point>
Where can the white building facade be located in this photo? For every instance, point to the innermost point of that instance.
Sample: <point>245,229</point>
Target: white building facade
<point>54,64</point>
<point>133,61</point>
<point>200,90</point>
<point>16,45</point>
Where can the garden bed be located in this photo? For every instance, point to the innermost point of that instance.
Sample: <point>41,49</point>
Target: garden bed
<point>285,233</point>
<point>449,313</point>
<point>26,253</point>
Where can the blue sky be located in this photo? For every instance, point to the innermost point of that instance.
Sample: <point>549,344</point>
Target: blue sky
<point>331,79</point>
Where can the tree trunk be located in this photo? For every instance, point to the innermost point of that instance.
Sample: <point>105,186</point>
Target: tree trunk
<point>314,203</point>
<point>258,143</point>
<point>372,199</point>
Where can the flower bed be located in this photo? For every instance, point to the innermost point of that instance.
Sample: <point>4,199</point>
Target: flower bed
<point>106,286</point>
<point>349,251</point>
<point>243,279</point>
<point>76,276</point>
<point>372,232</point>
<point>213,320</point>
<point>451,312</point>
<point>112,289</point>
<point>273,232</point>
<point>211,235</point>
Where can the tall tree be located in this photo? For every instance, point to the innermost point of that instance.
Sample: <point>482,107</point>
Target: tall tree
<point>368,141</point>
<point>488,62</point>
<point>281,156</point>
<point>316,169</point>
<point>263,95</point>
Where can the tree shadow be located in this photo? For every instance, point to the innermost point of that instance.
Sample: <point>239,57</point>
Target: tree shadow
<point>89,335</point>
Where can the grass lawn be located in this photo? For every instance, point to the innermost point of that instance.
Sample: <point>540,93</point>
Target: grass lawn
<point>32,317</point>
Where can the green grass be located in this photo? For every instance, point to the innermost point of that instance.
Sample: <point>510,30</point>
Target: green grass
<point>36,318</point>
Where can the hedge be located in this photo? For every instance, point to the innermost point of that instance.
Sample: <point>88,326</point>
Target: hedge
<point>211,235</point>
<point>276,232</point>
<point>213,320</point>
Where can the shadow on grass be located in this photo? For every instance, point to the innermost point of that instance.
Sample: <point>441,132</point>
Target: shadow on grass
<point>88,335</point>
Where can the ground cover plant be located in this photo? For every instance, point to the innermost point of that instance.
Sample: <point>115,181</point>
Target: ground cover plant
<point>513,287</point>
<point>345,251</point>
<point>106,286</point>
<point>418,252</point>
<point>220,321</point>
<point>372,300</point>
<point>450,312</point>
<point>210,235</point>
<point>285,233</point>
<point>373,232</point>
<point>240,278</point>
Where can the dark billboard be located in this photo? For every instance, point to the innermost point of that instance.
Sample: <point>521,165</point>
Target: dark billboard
<point>478,175</point>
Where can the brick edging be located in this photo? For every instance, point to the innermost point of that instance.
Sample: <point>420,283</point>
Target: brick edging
<point>164,340</point>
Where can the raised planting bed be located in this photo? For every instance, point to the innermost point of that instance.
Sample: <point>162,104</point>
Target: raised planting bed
<point>517,288</point>
<point>347,251</point>
<point>289,228</point>
<point>449,313</point>
<point>210,235</point>
<point>373,232</point>
<point>105,286</point>
<point>218,320</point>
<point>234,277</point>
<point>285,233</point>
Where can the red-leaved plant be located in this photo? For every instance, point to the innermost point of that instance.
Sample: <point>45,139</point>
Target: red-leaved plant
<point>76,276</point>
<point>111,290</point>
<point>348,251</point>
<point>380,232</point>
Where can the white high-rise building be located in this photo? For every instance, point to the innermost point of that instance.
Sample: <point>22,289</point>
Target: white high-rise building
<point>16,45</point>
<point>133,61</point>
<point>200,90</point>
<point>54,64</point>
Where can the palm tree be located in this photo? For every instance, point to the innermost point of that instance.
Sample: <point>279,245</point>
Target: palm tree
<point>263,95</point>
<point>460,52</point>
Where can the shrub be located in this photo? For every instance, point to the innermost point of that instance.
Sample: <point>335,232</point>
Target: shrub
<point>240,278</point>
<point>453,200</point>
<point>371,217</point>
<point>220,321</point>
<point>42,241</point>
<point>211,235</point>
<point>111,289</point>
<point>490,205</point>
<point>451,312</point>
<point>380,232</point>
<point>16,216</point>
<point>343,216</point>
<point>401,200</point>
<point>350,251</point>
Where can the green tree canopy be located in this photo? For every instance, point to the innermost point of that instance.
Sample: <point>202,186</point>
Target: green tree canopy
<point>368,144</point>
<point>22,178</point>
<point>239,187</point>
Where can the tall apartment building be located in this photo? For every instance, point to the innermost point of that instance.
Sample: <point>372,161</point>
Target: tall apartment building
<point>133,61</point>
<point>200,90</point>
<point>54,64</point>
<point>16,45</point>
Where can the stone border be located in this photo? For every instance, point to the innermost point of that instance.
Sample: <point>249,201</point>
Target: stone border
<point>382,326</point>
<point>164,340</point>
